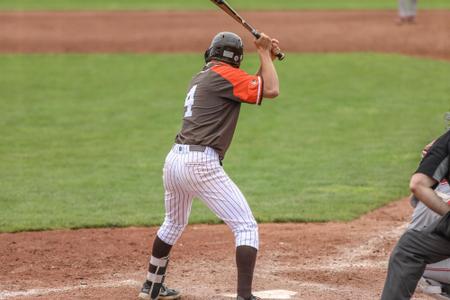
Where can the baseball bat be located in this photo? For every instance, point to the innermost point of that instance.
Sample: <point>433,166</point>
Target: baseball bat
<point>223,5</point>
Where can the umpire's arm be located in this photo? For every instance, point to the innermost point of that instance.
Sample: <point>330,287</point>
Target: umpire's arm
<point>421,186</point>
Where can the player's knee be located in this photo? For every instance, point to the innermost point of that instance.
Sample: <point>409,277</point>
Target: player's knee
<point>246,234</point>
<point>402,252</point>
<point>170,232</point>
<point>396,254</point>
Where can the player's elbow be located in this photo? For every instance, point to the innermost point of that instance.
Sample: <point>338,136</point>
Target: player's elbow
<point>419,182</point>
<point>271,93</point>
<point>413,187</point>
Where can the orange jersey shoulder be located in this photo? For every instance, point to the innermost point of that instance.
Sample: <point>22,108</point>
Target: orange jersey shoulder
<point>247,88</point>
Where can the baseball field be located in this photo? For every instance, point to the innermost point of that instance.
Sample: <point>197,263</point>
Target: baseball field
<point>91,98</point>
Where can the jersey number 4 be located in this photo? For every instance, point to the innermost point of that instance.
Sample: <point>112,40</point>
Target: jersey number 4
<point>189,101</point>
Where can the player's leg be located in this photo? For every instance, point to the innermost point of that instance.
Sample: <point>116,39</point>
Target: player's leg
<point>153,287</point>
<point>402,11</point>
<point>225,199</point>
<point>412,11</point>
<point>413,252</point>
<point>439,271</point>
<point>436,275</point>
<point>167,236</point>
<point>245,263</point>
<point>178,203</point>
<point>245,229</point>
<point>436,280</point>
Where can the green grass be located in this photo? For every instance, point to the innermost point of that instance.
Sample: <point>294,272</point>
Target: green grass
<point>83,137</point>
<point>204,4</point>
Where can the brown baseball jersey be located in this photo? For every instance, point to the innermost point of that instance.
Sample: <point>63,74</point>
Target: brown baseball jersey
<point>213,103</point>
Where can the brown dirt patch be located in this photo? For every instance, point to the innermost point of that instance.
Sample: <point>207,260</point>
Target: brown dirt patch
<point>318,260</point>
<point>299,31</point>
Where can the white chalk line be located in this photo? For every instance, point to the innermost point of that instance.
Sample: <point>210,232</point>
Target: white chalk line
<point>271,294</point>
<point>47,291</point>
<point>347,258</point>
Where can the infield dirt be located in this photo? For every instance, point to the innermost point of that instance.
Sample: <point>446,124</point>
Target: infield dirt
<point>318,261</point>
<point>298,31</point>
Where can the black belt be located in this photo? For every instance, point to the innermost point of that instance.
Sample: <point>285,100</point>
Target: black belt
<point>197,148</point>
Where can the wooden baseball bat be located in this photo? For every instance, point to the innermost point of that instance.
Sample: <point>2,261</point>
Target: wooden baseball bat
<point>223,5</point>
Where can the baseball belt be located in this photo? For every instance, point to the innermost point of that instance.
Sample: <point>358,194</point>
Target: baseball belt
<point>197,148</point>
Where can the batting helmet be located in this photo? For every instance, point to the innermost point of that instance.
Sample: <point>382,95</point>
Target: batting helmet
<point>226,47</point>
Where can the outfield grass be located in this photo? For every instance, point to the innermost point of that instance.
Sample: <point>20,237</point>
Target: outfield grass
<point>204,4</point>
<point>83,137</point>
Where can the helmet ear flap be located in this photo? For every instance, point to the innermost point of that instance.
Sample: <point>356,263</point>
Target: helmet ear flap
<point>213,52</point>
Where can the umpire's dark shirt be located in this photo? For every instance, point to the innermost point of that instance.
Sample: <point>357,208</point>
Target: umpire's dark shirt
<point>436,162</point>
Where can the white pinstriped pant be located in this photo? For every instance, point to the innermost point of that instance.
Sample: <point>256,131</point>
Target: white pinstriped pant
<point>188,174</point>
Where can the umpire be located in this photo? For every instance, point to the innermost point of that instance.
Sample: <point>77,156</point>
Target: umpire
<point>416,249</point>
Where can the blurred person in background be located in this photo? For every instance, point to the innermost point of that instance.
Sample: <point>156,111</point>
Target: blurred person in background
<point>407,10</point>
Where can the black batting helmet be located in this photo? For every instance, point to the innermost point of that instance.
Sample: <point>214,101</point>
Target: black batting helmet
<point>226,47</point>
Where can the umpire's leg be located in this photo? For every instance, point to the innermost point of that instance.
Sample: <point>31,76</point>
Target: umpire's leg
<point>413,252</point>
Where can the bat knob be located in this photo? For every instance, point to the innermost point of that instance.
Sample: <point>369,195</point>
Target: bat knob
<point>281,56</point>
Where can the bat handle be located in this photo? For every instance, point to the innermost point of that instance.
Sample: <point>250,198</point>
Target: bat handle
<point>257,35</point>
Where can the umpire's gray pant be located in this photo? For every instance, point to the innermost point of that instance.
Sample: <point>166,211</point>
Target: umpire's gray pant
<point>413,252</point>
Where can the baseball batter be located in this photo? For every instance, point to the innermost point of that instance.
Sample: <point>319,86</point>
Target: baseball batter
<point>193,167</point>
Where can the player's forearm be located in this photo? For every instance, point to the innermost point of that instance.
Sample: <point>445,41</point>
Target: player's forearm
<point>421,186</point>
<point>269,74</point>
<point>428,196</point>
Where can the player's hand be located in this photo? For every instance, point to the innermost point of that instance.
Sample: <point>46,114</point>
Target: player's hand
<point>427,148</point>
<point>275,48</point>
<point>264,43</point>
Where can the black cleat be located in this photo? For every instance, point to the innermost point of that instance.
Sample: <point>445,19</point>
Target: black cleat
<point>168,294</point>
<point>165,293</point>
